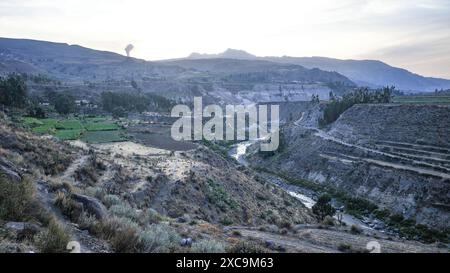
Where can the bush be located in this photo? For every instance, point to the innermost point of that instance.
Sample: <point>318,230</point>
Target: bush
<point>87,222</point>
<point>124,210</point>
<point>208,246</point>
<point>111,200</point>
<point>16,199</point>
<point>328,221</point>
<point>153,217</point>
<point>125,240</point>
<point>159,238</point>
<point>96,192</point>
<point>54,239</point>
<point>68,207</point>
<point>246,247</point>
<point>109,227</point>
<point>355,229</point>
<point>344,247</point>
<point>122,233</point>
<point>323,207</point>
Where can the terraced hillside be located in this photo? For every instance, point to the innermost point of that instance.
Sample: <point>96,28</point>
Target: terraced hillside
<point>395,155</point>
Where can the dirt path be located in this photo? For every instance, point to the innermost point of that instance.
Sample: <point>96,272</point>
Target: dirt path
<point>290,243</point>
<point>69,172</point>
<point>88,243</point>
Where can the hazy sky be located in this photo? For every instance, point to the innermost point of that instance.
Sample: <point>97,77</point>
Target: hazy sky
<point>412,34</point>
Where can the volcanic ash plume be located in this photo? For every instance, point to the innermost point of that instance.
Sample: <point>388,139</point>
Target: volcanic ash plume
<point>128,49</point>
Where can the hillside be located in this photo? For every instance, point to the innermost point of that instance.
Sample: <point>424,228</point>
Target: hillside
<point>397,157</point>
<point>74,63</point>
<point>370,73</point>
<point>129,197</point>
<point>92,193</point>
<point>88,71</point>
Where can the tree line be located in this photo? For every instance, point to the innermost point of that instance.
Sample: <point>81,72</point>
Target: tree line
<point>337,106</point>
<point>120,103</point>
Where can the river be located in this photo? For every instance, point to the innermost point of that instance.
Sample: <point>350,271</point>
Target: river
<point>306,196</point>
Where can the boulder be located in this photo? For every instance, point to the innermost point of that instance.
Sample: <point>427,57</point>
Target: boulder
<point>22,229</point>
<point>8,169</point>
<point>186,242</point>
<point>91,205</point>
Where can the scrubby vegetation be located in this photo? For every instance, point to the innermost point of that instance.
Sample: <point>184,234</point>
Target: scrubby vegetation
<point>54,239</point>
<point>337,106</point>
<point>208,246</point>
<point>16,199</point>
<point>120,103</point>
<point>323,207</point>
<point>13,91</point>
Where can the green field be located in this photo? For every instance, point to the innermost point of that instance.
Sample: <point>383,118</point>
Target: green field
<point>103,136</point>
<point>68,134</point>
<point>422,99</point>
<point>91,130</point>
<point>101,126</point>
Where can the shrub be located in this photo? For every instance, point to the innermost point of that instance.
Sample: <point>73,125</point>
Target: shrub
<point>381,213</point>
<point>344,247</point>
<point>16,199</point>
<point>53,239</point>
<point>328,221</point>
<point>236,233</point>
<point>121,232</point>
<point>323,207</point>
<point>96,192</point>
<point>87,222</point>
<point>208,246</point>
<point>159,238</point>
<point>153,217</point>
<point>355,229</point>
<point>111,200</point>
<point>109,227</point>
<point>125,240</point>
<point>246,247</point>
<point>68,207</point>
<point>124,210</point>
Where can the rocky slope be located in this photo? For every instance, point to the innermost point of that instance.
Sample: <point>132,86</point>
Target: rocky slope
<point>395,155</point>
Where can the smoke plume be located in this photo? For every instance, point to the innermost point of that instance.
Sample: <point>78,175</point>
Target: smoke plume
<point>128,49</point>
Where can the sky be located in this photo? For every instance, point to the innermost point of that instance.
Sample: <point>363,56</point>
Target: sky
<point>413,34</point>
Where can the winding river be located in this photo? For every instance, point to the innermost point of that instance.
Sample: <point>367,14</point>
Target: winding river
<point>306,196</point>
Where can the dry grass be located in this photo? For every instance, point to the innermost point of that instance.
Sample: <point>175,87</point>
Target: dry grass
<point>54,239</point>
<point>16,199</point>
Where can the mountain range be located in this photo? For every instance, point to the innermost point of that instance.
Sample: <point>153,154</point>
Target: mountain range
<point>79,64</point>
<point>371,73</point>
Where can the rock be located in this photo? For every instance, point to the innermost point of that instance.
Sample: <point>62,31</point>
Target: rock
<point>15,226</point>
<point>8,169</point>
<point>139,197</point>
<point>270,244</point>
<point>91,205</point>
<point>185,218</point>
<point>272,228</point>
<point>23,228</point>
<point>186,242</point>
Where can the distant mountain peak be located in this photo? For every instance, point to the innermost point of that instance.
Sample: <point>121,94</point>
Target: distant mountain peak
<point>230,53</point>
<point>236,54</point>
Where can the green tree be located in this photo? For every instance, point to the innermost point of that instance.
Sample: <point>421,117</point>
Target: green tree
<point>64,103</point>
<point>13,91</point>
<point>323,207</point>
